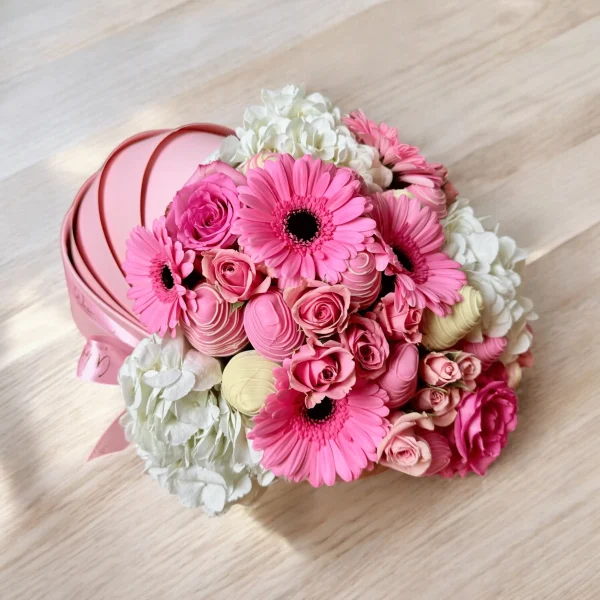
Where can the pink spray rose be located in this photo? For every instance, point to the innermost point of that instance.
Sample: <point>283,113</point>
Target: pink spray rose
<point>234,274</point>
<point>441,402</point>
<point>320,370</point>
<point>484,420</point>
<point>400,378</point>
<point>320,309</point>
<point>270,326</point>
<point>470,369</point>
<point>205,207</point>
<point>412,446</point>
<point>438,370</point>
<point>399,323</point>
<point>365,340</point>
<point>215,329</point>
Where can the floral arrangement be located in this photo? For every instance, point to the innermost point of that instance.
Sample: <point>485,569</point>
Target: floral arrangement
<point>321,303</point>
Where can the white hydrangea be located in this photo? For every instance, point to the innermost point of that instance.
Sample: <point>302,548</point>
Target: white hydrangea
<point>494,265</point>
<point>193,443</point>
<point>291,122</point>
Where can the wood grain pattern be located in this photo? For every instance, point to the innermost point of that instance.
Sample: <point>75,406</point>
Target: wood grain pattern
<point>506,93</point>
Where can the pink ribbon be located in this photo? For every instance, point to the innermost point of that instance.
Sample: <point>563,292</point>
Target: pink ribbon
<point>101,359</point>
<point>111,334</point>
<point>112,440</point>
<point>110,338</point>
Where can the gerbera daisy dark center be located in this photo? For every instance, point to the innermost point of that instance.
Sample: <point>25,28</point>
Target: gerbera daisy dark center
<point>167,277</point>
<point>302,224</point>
<point>397,182</point>
<point>404,260</point>
<point>320,412</point>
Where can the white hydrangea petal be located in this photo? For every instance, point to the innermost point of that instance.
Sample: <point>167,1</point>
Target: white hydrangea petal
<point>180,387</point>
<point>172,351</point>
<point>191,441</point>
<point>150,401</point>
<point>206,370</point>
<point>213,498</point>
<point>148,356</point>
<point>178,433</point>
<point>161,379</point>
<point>494,266</point>
<point>127,388</point>
<point>241,487</point>
<point>484,246</point>
<point>264,477</point>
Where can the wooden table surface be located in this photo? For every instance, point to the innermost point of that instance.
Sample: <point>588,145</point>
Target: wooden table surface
<point>506,93</point>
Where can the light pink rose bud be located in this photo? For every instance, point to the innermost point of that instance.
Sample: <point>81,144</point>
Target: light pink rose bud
<point>400,378</point>
<point>488,351</point>
<point>205,208</point>
<point>362,279</point>
<point>214,328</point>
<point>365,340</point>
<point>234,274</point>
<point>470,369</point>
<point>270,326</point>
<point>398,323</point>
<point>320,309</point>
<point>321,370</point>
<point>412,446</point>
<point>442,403</point>
<point>438,370</point>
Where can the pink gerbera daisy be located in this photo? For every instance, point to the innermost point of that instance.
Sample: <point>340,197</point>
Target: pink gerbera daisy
<point>335,437</point>
<point>423,275</point>
<point>302,218</point>
<point>422,179</point>
<point>155,267</point>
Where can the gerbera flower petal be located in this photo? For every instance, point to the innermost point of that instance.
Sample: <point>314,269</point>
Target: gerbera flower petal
<point>424,276</point>
<point>292,208</point>
<point>154,268</point>
<point>336,437</point>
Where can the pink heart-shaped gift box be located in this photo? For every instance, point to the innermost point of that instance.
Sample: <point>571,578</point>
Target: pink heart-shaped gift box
<point>134,186</point>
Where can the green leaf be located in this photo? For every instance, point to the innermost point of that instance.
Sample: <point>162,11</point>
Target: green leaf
<point>236,305</point>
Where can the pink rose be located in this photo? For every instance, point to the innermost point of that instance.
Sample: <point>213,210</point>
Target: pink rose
<point>365,340</point>
<point>442,403</point>
<point>205,208</point>
<point>438,370</point>
<point>215,329</point>
<point>412,446</point>
<point>363,279</point>
<point>399,324</point>
<point>320,309</point>
<point>470,369</point>
<point>400,378</point>
<point>485,418</point>
<point>321,370</point>
<point>234,274</point>
<point>270,327</point>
